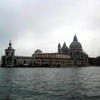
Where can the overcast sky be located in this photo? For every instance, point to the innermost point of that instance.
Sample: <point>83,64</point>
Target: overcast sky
<point>42,24</point>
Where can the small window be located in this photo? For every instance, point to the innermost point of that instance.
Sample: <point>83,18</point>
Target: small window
<point>77,53</point>
<point>7,53</point>
<point>24,62</point>
<point>12,54</point>
<point>14,61</point>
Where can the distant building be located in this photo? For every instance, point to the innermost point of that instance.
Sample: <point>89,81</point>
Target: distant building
<point>75,50</point>
<point>92,61</point>
<point>98,61</point>
<point>73,55</point>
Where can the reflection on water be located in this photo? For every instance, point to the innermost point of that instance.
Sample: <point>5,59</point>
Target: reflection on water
<point>73,83</point>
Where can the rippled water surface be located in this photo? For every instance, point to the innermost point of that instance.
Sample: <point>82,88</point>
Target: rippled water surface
<point>73,83</point>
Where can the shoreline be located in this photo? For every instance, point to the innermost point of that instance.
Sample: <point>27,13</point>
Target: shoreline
<point>48,67</point>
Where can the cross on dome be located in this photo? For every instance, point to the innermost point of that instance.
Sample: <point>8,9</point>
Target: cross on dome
<point>75,38</point>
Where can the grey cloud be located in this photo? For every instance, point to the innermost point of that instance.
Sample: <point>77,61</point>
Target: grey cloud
<point>43,17</point>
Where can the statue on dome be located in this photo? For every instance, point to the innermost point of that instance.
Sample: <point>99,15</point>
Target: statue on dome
<point>10,43</point>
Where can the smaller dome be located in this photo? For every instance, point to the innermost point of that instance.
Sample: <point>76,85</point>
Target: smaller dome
<point>64,48</point>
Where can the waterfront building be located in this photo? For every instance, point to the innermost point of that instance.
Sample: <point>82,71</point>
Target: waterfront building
<point>52,59</point>
<point>10,59</point>
<point>65,56</point>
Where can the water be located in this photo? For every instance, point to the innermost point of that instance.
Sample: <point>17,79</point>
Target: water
<point>73,83</point>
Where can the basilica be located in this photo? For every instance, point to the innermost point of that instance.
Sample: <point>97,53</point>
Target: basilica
<point>75,50</point>
<point>72,56</point>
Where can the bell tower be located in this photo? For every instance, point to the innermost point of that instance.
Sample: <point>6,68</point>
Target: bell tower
<point>59,48</point>
<point>10,51</point>
<point>8,58</point>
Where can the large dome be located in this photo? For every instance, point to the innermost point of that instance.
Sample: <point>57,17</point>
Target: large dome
<point>75,44</point>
